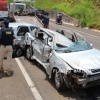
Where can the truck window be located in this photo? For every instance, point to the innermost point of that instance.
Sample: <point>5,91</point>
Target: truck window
<point>19,6</point>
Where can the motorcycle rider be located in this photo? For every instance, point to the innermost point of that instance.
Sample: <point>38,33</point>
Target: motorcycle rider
<point>59,18</point>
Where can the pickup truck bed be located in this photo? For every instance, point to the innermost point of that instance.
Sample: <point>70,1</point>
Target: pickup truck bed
<point>28,19</point>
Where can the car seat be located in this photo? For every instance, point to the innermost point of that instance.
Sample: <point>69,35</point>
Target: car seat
<point>40,36</point>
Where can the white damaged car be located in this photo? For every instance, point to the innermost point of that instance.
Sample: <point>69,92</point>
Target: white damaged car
<point>20,29</point>
<point>71,61</point>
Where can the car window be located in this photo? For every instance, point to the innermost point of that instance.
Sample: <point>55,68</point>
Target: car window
<point>32,28</point>
<point>41,32</point>
<point>22,31</point>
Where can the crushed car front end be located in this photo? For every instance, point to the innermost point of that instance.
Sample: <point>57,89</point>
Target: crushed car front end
<point>79,79</point>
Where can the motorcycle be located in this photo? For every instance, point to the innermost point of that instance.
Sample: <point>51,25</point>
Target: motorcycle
<point>59,20</point>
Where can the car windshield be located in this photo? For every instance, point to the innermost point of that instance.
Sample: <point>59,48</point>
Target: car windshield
<point>65,46</point>
<point>75,47</point>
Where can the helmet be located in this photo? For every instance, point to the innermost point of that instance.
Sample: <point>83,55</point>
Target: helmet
<point>6,22</point>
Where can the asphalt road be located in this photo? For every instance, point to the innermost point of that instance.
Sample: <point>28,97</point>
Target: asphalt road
<point>30,81</point>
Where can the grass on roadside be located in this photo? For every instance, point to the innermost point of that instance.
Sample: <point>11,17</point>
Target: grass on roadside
<point>85,10</point>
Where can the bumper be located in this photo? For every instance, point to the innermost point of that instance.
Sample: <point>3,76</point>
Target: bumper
<point>90,81</point>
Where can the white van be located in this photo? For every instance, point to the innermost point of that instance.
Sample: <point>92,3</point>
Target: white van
<point>18,6</point>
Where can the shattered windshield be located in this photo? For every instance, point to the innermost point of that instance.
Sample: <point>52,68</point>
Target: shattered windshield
<point>80,46</point>
<point>75,47</point>
<point>74,43</point>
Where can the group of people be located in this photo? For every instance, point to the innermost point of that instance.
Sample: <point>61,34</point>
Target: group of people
<point>6,42</point>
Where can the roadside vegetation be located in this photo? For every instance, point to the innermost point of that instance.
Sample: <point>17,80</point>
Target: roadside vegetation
<point>86,11</point>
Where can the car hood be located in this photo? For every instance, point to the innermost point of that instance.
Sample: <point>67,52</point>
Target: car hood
<point>88,60</point>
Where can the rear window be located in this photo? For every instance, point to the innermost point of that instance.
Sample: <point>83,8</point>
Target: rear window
<point>19,6</point>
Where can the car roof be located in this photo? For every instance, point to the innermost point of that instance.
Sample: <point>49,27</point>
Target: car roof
<point>59,38</point>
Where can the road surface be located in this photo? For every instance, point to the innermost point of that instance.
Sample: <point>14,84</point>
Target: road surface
<point>30,81</point>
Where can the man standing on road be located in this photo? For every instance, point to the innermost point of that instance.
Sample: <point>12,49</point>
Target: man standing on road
<point>6,42</point>
<point>45,20</point>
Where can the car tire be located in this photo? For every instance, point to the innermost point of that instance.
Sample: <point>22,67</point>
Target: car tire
<point>59,82</point>
<point>29,53</point>
<point>17,51</point>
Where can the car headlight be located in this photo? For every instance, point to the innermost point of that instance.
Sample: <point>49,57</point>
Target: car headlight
<point>79,73</point>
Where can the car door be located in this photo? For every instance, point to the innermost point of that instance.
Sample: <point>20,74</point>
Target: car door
<point>42,47</point>
<point>47,48</point>
<point>22,30</point>
<point>38,45</point>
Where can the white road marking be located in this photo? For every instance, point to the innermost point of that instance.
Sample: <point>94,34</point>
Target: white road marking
<point>29,81</point>
<point>78,31</point>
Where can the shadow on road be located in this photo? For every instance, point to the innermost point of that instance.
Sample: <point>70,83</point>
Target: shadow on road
<point>93,93</point>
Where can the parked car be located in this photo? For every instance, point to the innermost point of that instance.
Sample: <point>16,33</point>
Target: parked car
<point>20,29</point>
<point>71,61</point>
<point>36,12</point>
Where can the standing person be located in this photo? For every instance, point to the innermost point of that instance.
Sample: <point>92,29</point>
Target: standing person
<point>6,42</point>
<point>45,20</point>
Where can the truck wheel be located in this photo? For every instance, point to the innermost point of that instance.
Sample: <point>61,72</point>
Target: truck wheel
<point>29,53</point>
<point>59,82</point>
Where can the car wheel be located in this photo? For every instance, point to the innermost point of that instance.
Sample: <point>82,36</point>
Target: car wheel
<point>29,53</point>
<point>17,51</point>
<point>59,82</point>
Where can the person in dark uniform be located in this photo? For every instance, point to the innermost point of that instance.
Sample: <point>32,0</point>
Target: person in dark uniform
<point>6,42</point>
<point>45,19</point>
